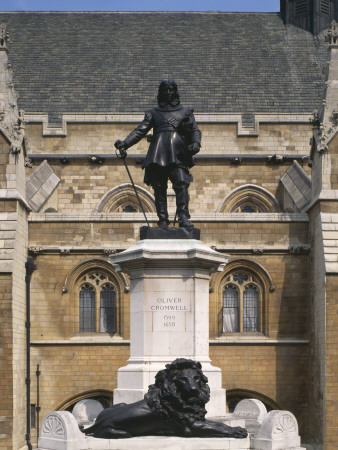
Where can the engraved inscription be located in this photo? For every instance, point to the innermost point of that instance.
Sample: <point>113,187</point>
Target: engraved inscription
<point>167,313</point>
<point>170,304</point>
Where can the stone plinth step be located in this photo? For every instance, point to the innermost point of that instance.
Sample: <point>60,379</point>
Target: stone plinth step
<point>168,443</point>
<point>230,419</point>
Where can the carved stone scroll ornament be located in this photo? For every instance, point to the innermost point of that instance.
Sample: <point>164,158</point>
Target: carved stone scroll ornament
<point>285,425</point>
<point>279,431</point>
<point>59,430</point>
<point>53,426</point>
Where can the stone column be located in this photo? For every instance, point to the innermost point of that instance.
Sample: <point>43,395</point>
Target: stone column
<point>169,313</point>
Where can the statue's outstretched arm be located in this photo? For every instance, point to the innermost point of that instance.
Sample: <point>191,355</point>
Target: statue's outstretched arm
<point>138,133</point>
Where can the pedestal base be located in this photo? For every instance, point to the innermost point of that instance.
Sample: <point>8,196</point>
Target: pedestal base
<point>169,313</point>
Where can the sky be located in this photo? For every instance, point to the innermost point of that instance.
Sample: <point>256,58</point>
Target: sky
<point>141,5</point>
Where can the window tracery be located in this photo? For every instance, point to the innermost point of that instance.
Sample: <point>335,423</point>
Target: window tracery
<point>242,303</point>
<point>249,198</point>
<point>97,303</point>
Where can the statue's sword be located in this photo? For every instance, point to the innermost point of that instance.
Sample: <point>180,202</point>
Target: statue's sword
<point>122,155</point>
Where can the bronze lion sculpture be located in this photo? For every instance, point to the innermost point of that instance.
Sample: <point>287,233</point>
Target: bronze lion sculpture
<point>173,406</point>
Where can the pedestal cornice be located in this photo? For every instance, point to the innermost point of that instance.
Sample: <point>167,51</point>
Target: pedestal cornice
<point>171,253</point>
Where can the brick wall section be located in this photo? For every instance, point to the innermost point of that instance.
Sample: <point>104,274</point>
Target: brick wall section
<point>86,234</point>
<point>54,314</point>
<point>68,371</point>
<point>83,185</point>
<point>91,138</point>
<point>331,403</point>
<point>275,371</point>
<point>6,366</point>
<point>287,307</point>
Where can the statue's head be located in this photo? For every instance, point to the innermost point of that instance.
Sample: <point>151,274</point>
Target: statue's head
<point>168,93</point>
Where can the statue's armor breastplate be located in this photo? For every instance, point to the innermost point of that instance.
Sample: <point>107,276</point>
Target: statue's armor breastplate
<point>165,120</point>
<point>166,143</point>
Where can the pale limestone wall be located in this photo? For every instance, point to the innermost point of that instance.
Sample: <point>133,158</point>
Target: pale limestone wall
<point>225,231</point>
<point>83,185</point>
<point>98,138</point>
<point>13,255</point>
<point>19,317</point>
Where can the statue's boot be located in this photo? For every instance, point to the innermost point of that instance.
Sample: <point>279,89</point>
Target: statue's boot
<point>161,206</point>
<point>182,202</point>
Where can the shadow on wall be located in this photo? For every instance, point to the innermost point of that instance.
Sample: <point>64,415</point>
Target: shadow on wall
<point>292,358</point>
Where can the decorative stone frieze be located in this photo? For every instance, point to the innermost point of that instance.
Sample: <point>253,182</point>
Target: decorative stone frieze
<point>35,250</point>
<point>257,251</point>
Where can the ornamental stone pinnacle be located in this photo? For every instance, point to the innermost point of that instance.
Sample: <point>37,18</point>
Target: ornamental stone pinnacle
<point>12,121</point>
<point>332,33</point>
<point>4,35</point>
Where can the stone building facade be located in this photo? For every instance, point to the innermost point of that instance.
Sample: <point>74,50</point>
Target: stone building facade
<point>265,192</point>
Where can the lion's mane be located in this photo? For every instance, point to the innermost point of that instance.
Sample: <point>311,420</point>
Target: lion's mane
<point>164,398</point>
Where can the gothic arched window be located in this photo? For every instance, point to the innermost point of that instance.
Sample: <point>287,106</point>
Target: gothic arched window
<point>241,304</point>
<point>97,303</point>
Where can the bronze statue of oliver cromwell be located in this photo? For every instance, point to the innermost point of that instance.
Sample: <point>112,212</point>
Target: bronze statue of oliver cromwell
<point>176,139</point>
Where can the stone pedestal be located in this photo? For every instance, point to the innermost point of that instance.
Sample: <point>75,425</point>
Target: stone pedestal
<point>169,313</point>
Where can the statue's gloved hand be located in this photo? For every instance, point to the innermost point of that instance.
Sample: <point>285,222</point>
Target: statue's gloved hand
<point>193,148</point>
<point>122,147</point>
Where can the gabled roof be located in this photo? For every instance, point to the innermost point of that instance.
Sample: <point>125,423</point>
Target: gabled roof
<point>113,62</point>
